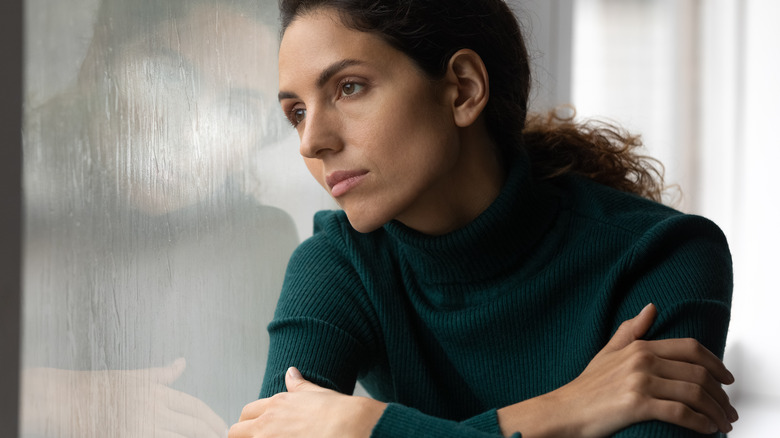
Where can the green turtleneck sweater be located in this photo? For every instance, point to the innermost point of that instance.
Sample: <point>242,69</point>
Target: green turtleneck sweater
<point>515,304</point>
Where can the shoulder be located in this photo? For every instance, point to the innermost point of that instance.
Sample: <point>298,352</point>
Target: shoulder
<point>590,200</point>
<point>335,242</point>
<point>640,219</point>
<point>649,239</point>
<point>326,270</point>
<point>680,262</point>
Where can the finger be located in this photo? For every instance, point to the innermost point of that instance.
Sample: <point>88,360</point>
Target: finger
<point>243,429</point>
<point>632,329</point>
<point>692,396</point>
<point>254,409</point>
<point>641,323</point>
<point>691,351</point>
<point>675,413</point>
<point>697,374</point>
<point>192,407</point>
<point>295,382</point>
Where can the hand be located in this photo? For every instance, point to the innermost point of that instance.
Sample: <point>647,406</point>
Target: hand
<point>629,381</point>
<point>308,410</point>
<point>132,404</point>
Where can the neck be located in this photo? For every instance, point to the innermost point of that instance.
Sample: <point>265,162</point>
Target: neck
<point>470,187</point>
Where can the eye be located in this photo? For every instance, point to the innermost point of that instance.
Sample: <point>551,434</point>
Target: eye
<point>350,89</point>
<point>299,114</point>
<point>296,116</point>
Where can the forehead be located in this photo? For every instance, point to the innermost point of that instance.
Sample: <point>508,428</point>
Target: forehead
<point>318,39</point>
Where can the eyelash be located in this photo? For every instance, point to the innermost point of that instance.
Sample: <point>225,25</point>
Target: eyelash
<point>345,82</point>
<point>291,116</point>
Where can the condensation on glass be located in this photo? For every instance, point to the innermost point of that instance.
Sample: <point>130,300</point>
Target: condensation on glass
<point>163,195</point>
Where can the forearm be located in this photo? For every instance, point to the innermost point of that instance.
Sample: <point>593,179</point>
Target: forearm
<point>399,421</point>
<point>537,417</point>
<point>632,381</point>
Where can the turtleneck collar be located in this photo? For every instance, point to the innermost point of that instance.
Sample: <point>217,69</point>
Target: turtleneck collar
<point>498,240</point>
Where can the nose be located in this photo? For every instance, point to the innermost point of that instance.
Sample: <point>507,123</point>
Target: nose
<point>320,133</point>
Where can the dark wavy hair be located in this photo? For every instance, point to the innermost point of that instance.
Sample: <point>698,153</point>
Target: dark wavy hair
<point>431,31</point>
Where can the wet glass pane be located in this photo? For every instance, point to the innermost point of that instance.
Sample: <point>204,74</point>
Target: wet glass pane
<point>163,195</point>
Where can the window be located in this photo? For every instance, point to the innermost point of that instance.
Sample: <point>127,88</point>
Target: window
<point>696,80</point>
<point>163,195</point>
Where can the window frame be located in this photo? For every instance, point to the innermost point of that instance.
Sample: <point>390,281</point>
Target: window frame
<point>11,219</point>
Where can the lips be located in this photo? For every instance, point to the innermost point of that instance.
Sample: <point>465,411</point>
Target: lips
<point>342,181</point>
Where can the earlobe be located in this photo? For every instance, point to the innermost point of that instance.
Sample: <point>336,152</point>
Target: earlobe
<point>468,73</point>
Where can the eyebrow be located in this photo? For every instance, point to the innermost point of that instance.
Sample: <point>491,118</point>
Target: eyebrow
<point>324,76</point>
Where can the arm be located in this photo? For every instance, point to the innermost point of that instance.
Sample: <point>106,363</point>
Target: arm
<point>310,410</point>
<point>630,382</point>
<point>683,265</point>
<point>332,362</point>
<point>686,266</point>
<point>323,328</point>
<point>606,397</point>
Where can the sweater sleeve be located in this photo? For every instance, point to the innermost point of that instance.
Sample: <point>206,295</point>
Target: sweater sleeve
<point>400,421</point>
<point>323,325</point>
<point>683,266</point>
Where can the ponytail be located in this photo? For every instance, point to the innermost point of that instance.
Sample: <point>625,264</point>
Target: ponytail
<point>595,150</point>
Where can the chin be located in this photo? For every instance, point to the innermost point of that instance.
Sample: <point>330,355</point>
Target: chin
<point>364,224</point>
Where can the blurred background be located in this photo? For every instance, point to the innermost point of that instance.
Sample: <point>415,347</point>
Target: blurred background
<point>698,80</point>
<point>163,191</point>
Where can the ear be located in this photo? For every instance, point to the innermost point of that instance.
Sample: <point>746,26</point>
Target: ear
<point>468,74</point>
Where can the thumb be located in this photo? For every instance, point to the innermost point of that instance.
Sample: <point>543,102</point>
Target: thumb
<point>295,382</point>
<point>169,374</point>
<point>632,329</point>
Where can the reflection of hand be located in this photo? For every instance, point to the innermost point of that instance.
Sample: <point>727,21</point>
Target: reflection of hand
<point>128,404</point>
<point>629,381</point>
<point>308,410</point>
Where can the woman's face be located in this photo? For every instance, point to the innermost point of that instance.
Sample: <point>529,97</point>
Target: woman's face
<point>374,130</point>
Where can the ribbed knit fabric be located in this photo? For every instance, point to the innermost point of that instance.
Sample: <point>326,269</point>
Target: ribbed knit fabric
<point>512,306</point>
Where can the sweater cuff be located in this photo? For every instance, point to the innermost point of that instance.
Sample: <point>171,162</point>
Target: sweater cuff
<point>485,422</point>
<point>400,421</point>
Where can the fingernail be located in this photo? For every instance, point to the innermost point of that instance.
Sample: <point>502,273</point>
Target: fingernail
<point>645,309</point>
<point>294,373</point>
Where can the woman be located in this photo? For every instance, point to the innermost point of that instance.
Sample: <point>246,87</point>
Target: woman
<point>479,265</point>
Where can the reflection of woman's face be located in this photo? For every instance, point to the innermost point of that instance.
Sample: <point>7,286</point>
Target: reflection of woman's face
<point>191,99</point>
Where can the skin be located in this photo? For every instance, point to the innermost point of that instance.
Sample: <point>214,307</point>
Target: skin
<point>630,381</point>
<point>357,104</point>
<point>364,117</point>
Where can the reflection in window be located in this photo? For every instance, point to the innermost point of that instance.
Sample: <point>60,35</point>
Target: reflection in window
<point>152,258</point>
